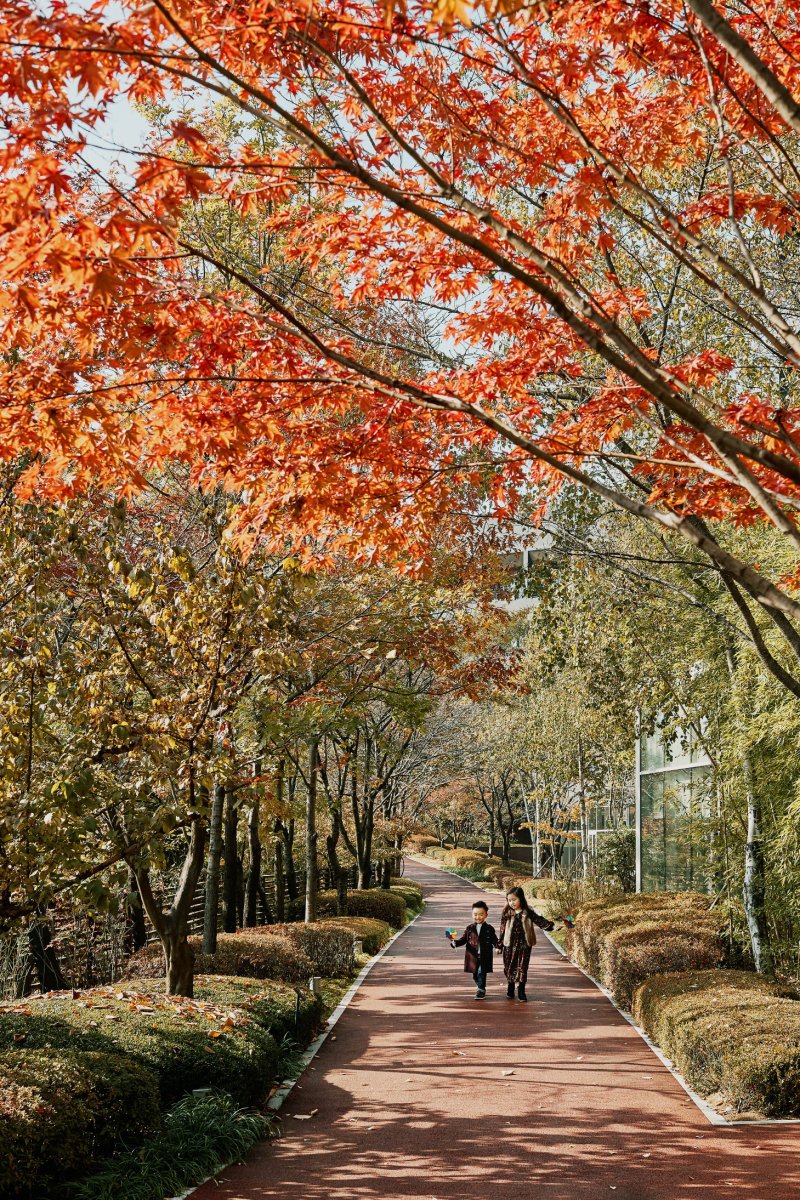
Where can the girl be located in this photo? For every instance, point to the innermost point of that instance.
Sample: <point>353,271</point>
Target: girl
<point>517,936</point>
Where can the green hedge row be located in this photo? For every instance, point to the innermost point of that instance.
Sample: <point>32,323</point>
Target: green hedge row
<point>379,903</point>
<point>624,941</point>
<point>730,1033</point>
<point>257,953</point>
<point>373,934</point>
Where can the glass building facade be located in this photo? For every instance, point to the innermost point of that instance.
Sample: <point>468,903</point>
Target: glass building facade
<point>673,807</point>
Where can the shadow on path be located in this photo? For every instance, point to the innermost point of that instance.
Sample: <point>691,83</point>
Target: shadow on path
<point>413,1102</point>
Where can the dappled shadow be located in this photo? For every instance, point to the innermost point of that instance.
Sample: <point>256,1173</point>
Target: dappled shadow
<point>414,1098</point>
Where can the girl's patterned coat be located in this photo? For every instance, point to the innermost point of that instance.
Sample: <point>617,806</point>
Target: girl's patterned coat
<point>517,936</point>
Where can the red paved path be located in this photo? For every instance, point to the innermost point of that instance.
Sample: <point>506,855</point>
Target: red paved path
<point>413,1102</point>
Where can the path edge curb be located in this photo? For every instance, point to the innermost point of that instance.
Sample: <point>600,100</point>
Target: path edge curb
<point>711,1115</point>
<point>278,1098</point>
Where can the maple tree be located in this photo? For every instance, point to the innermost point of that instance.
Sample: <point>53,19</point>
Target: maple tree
<point>558,181</point>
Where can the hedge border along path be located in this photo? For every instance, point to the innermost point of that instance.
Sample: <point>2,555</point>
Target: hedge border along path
<point>711,1114</point>
<point>278,1098</point>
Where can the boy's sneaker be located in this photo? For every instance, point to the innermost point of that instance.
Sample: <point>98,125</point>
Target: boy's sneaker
<point>523,999</point>
<point>510,991</point>
<point>480,994</point>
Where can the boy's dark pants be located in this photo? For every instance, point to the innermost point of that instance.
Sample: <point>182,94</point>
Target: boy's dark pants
<point>480,977</point>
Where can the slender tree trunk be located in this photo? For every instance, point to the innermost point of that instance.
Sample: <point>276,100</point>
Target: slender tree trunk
<point>254,868</point>
<point>288,857</point>
<point>230,878</point>
<point>211,914</point>
<point>312,866</point>
<point>584,817</point>
<point>280,875</point>
<point>137,927</point>
<point>754,884</point>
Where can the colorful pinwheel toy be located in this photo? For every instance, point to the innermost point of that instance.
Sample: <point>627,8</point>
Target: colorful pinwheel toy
<point>451,933</point>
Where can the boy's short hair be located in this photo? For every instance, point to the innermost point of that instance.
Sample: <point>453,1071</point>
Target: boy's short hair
<point>481,904</point>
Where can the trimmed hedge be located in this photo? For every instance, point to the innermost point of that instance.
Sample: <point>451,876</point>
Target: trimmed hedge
<point>259,955</point>
<point>281,1009</point>
<point>60,1109</point>
<point>732,1034</point>
<point>372,933</point>
<point>420,843</point>
<point>378,903</point>
<point>625,941</point>
<point>327,947</point>
<point>186,1043</point>
<point>411,896</point>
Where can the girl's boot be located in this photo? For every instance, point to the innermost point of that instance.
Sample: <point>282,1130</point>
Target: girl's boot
<point>510,992</point>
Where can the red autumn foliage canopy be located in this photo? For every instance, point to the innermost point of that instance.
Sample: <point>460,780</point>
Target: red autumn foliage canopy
<point>535,243</point>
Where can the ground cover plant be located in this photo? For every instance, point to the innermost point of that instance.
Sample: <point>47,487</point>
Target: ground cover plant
<point>200,1134</point>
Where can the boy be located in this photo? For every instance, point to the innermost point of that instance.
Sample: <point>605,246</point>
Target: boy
<point>480,939</point>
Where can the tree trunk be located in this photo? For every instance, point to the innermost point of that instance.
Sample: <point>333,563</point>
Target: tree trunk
<point>41,962</point>
<point>211,914</point>
<point>754,884</point>
<point>173,926</point>
<point>280,875</point>
<point>254,868</point>
<point>137,927</point>
<point>312,866</point>
<point>584,816</point>
<point>287,832</point>
<point>230,878</point>
<point>338,873</point>
<point>179,962</point>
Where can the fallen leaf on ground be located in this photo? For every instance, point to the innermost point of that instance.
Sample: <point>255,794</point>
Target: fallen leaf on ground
<point>301,1116</point>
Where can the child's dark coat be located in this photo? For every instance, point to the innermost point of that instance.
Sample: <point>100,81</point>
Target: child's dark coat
<point>469,938</point>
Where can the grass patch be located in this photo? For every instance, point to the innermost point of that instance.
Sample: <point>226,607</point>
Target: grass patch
<point>201,1134</point>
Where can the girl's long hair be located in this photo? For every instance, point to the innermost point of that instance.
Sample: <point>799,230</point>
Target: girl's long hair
<point>523,901</point>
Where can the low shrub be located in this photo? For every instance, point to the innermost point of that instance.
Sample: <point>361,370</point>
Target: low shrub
<point>260,955</point>
<point>62,1108</point>
<point>284,1010</point>
<point>186,1043</point>
<point>631,955</point>
<point>379,903</point>
<point>419,843</point>
<point>327,947</point>
<point>678,912</point>
<point>411,897</point>
<point>406,881</point>
<point>373,934</point>
<point>730,1033</point>
<point>201,1134</point>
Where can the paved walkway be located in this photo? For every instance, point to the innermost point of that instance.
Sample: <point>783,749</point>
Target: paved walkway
<point>416,1099</point>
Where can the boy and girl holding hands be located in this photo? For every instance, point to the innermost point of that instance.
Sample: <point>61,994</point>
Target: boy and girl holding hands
<point>516,938</point>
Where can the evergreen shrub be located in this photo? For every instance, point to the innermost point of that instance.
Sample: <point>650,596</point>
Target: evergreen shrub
<point>60,1108</point>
